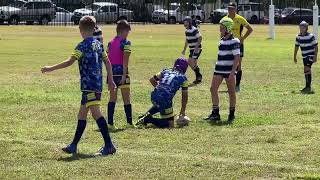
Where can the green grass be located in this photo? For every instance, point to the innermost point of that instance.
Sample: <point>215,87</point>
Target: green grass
<point>276,134</point>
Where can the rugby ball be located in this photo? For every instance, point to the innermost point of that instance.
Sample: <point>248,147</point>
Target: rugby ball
<point>183,121</point>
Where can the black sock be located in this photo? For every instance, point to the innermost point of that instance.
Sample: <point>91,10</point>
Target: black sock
<point>111,107</point>
<point>308,78</point>
<point>197,71</point>
<point>128,111</point>
<point>160,123</point>
<point>238,78</point>
<point>153,110</point>
<point>215,110</point>
<point>102,124</point>
<point>80,129</point>
<point>232,111</point>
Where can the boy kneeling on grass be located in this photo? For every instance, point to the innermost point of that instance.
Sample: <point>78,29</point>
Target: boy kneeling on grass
<point>226,66</point>
<point>90,55</point>
<point>166,84</point>
<point>309,49</point>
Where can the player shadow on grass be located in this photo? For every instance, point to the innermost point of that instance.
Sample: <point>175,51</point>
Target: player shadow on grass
<point>76,157</point>
<point>299,92</point>
<point>113,131</point>
<point>220,123</point>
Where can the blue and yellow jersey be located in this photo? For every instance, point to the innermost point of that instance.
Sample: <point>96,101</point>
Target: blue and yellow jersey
<point>90,55</point>
<point>170,81</point>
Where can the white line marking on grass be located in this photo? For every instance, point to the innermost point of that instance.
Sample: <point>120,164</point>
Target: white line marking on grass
<point>186,156</point>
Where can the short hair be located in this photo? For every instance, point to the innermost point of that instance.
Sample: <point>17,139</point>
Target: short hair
<point>87,23</point>
<point>123,25</point>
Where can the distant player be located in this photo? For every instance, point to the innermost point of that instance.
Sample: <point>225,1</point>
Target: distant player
<point>239,24</point>
<point>119,51</point>
<point>166,84</point>
<point>90,56</point>
<point>309,49</point>
<point>226,66</point>
<point>193,40</point>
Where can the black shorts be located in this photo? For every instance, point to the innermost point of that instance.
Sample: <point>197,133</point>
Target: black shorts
<point>241,50</point>
<point>308,61</point>
<point>117,71</point>
<point>194,55</point>
<point>225,76</point>
<point>90,98</point>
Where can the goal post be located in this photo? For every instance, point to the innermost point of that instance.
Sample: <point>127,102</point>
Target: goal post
<point>272,33</point>
<point>315,19</point>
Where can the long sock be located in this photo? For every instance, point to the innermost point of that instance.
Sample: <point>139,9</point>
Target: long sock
<point>197,71</point>
<point>111,107</point>
<point>128,111</point>
<point>160,123</point>
<point>232,111</point>
<point>102,124</point>
<point>215,110</point>
<point>80,129</point>
<point>238,78</point>
<point>153,110</point>
<point>308,78</point>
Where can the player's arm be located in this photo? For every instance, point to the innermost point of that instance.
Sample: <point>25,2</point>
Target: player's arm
<point>155,79</point>
<point>61,65</point>
<point>126,57</point>
<point>235,65</point>
<point>185,47</point>
<point>199,36</point>
<point>315,54</point>
<point>184,100</point>
<point>296,49</point>
<point>248,33</point>
<point>108,66</point>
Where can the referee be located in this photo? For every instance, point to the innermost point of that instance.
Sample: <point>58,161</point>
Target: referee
<point>239,24</point>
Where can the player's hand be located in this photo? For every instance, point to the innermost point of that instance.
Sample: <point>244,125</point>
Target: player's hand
<point>315,59</point>
<point>231,76</point>
<point>183,52</point>
<point>295,60</point>
<point>123,79</point>
<point>111,85</point>
<point>46,69</point>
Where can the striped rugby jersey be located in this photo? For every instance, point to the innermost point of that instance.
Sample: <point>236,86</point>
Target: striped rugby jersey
<point>307,44</point>
<point>228,49</point>
<point>98,34</point>
<point>192,36</point>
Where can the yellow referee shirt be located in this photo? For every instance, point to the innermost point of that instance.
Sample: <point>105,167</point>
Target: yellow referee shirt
<point>239,23</point>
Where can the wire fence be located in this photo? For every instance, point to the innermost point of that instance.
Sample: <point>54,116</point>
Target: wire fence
<point>69,12</point>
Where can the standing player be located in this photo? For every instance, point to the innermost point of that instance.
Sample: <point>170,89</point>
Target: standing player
<point>90,56</point>
<point>119,51</point>
<point>166,84</point>
<point>309,49</point>
<point>239,24</point>
<point>193,40</point>
<point>226,67</point>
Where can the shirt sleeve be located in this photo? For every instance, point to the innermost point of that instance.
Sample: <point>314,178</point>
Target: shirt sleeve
<point>185,85</point>
<point>77,53</point>
<point>236,48</point>
<point>244,22</point>
<point>314,41</point>
<point>297,41</point>
<point>198,34</point>
<point>126,46</point>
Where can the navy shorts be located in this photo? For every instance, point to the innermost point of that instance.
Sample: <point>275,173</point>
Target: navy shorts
<point>90,98</point>
<point>225,76</point>
<point>308,61</point>
<point>194,55</point>
<point>117,71</point>
<point>163,104</point>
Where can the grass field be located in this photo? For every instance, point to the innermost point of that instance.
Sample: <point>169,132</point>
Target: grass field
<point>276,134</point>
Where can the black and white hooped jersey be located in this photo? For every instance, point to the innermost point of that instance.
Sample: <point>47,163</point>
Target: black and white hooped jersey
<point>228,49</point>
<point>192,36</point>
<point>307,44</point>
